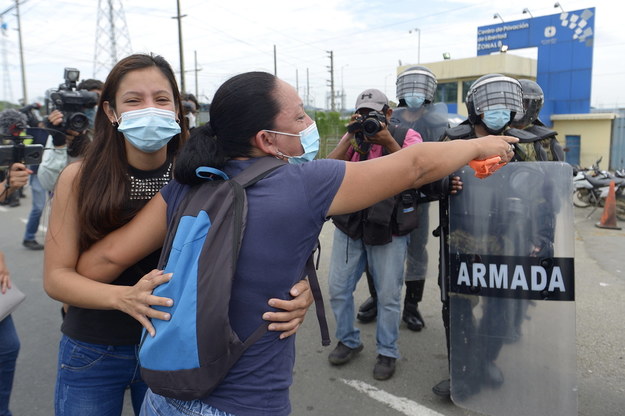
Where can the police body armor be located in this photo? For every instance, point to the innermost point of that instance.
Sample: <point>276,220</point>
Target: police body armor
<point>548,140</point>
<point>533,145</point>
<point>510,243</point>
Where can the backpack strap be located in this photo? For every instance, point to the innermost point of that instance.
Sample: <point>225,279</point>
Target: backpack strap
<point>311,272</point>
<point>258,170</point>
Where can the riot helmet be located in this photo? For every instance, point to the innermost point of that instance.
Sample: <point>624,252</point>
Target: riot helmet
<point>498,97</point>
<point>533,100</point>
<point>415,86</point>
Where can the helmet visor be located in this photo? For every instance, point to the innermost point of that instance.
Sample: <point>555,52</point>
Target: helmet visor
<point>416,81</point>
<point>497,92</point>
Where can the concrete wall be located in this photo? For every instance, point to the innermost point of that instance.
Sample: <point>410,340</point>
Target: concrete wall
<point>595,131</point>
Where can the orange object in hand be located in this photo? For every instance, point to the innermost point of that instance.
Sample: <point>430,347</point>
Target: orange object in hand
<point>486,167</point>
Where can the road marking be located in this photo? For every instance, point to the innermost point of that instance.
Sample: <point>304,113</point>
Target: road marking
<point>42,228</point>
<point>401,404</point>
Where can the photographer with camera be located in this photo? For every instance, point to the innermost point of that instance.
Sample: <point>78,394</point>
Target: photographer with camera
<point>35,135</point>
<point>14,154</point>
<point>375,238</point>
<point>70,121</point>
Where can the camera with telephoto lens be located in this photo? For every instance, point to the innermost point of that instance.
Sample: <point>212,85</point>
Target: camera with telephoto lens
<point>369,125</point>
<point>71,102</point>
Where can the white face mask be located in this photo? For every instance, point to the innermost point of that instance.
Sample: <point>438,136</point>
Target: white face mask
<point>309,139</point>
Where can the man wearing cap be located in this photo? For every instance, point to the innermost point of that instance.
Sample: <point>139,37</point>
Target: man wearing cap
<point>367,239</point>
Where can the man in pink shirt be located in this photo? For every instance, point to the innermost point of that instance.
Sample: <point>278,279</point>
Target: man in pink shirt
<point>371,238</point>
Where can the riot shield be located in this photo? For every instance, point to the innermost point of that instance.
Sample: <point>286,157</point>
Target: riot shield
<point>430,121</point>
<point>512,292</point>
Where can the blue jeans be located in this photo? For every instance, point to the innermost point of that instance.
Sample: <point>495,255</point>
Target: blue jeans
<point>9,349</point>
<point>386,263</point>
<point>39,201</point>
<point>157,405</point>
<point>417,257</point>
<point>92,379</point>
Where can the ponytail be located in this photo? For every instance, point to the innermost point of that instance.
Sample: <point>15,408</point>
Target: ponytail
<point>242,106</point>
<point>202,149</point>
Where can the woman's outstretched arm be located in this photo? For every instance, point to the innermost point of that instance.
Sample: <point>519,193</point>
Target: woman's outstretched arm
<point>368,182</point>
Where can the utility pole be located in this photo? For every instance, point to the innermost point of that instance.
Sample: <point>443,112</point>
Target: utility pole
<point>179,17</point>
<point>297,80</point>
<point>307,88</point>
<point>331,70</point>
<point>196,71</point>
<point>275,62</point>
<point>19,34</point>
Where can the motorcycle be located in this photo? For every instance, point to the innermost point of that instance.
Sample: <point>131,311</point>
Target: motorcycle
<point>591,187</point>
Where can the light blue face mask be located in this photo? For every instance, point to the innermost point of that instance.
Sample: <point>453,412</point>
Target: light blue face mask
<point>415,100</point>
<point>309,138</point>
<point>496,119</point>
<point>148,129</point>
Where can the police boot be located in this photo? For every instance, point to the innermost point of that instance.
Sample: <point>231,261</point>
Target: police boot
<point>368,311</point>
<point>411,316</point>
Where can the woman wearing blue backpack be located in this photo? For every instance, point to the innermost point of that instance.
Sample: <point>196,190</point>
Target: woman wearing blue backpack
<point>139,130</point>
<point>256,115</point>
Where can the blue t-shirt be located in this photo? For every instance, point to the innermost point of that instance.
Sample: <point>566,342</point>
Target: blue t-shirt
<point>286,211</point>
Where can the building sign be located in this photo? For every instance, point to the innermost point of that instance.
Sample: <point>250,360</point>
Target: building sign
<point>565,45</point>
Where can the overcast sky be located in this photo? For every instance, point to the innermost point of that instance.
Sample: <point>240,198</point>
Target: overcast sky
<point>368,39</point>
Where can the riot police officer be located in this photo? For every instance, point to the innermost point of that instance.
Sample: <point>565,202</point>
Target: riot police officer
<point>508,222</point>
<point>416,87</point>
<point>492,103</point>
<point>533,100</point>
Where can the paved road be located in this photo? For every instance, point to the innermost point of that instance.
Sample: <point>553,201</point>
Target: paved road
<point>320,389</point>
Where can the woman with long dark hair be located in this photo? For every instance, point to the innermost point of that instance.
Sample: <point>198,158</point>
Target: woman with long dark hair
<point>139,131</point>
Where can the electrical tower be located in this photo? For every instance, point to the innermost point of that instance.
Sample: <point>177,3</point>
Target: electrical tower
<point>112,41</point>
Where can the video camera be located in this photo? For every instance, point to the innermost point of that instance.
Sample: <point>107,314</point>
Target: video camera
<point>369,125</point>
<point>18,152</point>
<point>71,102</point>
<point>12,147</point>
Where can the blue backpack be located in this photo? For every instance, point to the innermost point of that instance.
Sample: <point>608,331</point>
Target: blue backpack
<point>192,352</point>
